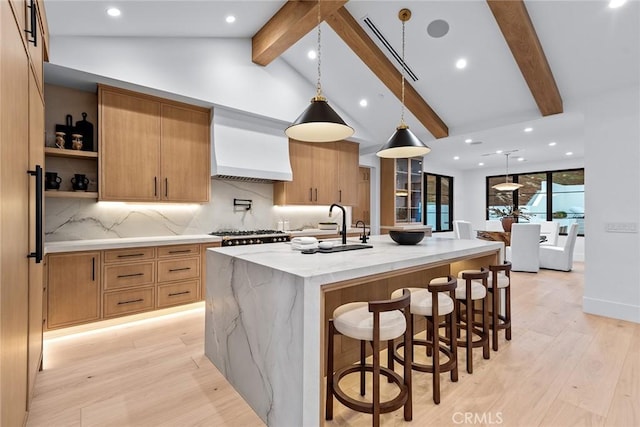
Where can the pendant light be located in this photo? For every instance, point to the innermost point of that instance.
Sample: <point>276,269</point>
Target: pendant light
<point>403,143</point>
<point>319,122</point>
<point>506,185</point>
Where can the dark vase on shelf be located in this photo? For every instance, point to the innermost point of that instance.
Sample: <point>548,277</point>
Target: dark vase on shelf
<point>52,181</point>
<point>79,182</point>
<point>507,222</point>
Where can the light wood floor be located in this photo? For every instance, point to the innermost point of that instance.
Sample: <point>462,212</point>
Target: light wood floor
<point>562,368</point>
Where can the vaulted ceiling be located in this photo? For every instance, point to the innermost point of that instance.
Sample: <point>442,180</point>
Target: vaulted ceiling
<point>530,64</point>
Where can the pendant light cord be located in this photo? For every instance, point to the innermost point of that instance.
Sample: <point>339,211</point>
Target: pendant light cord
<point>318,86</point>
<point>506,176</point>
<point>402,123</point>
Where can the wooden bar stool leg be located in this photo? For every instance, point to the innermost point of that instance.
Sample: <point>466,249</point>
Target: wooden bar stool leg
<point>376,370</point>
<point>329,403</point>
<point>454,343</point>
<point>486,351</point>
<point>435,340</point>
<point>469,329</point>
<point>363,354</point>
<point>507,311</point>
<point>494,313</point>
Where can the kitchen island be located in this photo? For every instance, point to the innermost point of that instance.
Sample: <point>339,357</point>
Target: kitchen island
<point>267,307</point>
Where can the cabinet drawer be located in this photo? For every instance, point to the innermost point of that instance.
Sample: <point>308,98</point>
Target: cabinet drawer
<point>128,255</point>
<point>119,276</point>
<point>170,270</point>
<point>178,250</point>
<point>126,302</point>
<point>178,293</point>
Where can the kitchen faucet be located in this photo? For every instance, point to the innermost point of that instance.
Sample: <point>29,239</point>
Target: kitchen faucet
<point>344,222</point>
<point>363,238</point>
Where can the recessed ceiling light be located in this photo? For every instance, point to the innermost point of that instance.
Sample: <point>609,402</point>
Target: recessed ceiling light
<point>312,54</point>
<point>461,63</point>
<point>528,129</point>
<point>614,4</point>
<point>498,151</point>
<point>468,140</point>
<point>521,159</point>
<point>363,103</point>
<point>480,164</point>
<point>113,11</point>
<point>569,153</point>
<point>230,19</point>
<point>552,144</point>
<point>456,157</point>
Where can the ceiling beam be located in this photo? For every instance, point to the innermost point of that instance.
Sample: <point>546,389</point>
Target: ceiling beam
<point>292,22</point>
<point>357,39</point>
<point>518,31</point>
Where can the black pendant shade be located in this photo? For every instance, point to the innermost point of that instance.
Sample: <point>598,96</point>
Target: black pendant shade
<point>319,123</point>
<point>403,144</point>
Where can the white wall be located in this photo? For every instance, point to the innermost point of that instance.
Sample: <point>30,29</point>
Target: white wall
<point>612,175</point>
<point>217,71</point>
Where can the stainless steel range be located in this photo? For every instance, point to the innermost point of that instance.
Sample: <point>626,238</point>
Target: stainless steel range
<point>251,237</point>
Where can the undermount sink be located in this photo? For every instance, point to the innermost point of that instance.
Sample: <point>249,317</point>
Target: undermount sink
<point>338,248</point>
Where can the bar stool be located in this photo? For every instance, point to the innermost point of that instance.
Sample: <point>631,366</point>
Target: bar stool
<point>500,274</point>
<point>432,303</point>
<point>468,291</point>
<point>374,322</point>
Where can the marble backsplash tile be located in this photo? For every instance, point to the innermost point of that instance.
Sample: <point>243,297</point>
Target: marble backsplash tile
<point>78,219</point>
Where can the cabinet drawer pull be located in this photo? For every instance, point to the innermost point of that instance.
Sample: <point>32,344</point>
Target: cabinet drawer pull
<point>181,251</point>
<point>171,270</point>
<point>316,195</point>
<point>179,293</point>
<point>129,255</point>
<point>130,275</point>
<point>131,302</point>
<point>311,194</point>
<point>166,187</point>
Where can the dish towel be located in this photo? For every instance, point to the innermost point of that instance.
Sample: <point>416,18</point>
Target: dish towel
<point>301,243</point>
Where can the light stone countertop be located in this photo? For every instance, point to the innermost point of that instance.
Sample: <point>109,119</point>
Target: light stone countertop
<point>386,255</point>
<point>126,242</point>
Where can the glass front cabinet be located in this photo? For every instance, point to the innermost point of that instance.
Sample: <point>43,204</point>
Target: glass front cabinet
<point>401,187</point>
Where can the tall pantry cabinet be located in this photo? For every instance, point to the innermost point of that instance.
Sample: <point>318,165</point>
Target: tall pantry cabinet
<point>23,32</point>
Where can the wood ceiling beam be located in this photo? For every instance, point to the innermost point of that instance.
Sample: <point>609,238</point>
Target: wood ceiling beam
<point>518,31</point>
<point>357,39</point>
<point>292,22</point>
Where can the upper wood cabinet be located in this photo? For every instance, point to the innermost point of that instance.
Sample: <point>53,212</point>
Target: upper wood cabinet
<point>401,182</point>
<point>348,164</point>
<point>322,174</point>
<point>151,149</point>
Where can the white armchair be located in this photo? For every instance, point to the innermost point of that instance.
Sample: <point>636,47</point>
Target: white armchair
<point>549,229</point>
<point>463,230</point>
<point>560,257</point>
<point>524,252</point>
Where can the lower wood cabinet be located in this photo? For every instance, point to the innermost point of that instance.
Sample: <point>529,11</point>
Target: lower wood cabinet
<point>88,286</point>
<point>73,289</point>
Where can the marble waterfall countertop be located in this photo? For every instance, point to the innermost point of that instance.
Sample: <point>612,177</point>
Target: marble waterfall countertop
<point>126,242</point>
<point>265,310</point>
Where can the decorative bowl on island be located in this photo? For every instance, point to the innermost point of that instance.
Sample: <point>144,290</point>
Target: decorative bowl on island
<point>409,235</point>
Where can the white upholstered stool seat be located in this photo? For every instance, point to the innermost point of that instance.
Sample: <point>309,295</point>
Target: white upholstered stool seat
<point>356,321</point>
<point>421,301</point>
<point>478,291</point>
<point>503,280</point>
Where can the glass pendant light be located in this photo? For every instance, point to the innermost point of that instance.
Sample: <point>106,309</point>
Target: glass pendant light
<point>319,122</point>
<point>506,185</point>
<point>403,143</point>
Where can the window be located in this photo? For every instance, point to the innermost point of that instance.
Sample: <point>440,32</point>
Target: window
<point>545,196</point>
<point>438,199</point>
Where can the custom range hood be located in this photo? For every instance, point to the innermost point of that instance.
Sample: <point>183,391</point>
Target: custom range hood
<point>248,148</point>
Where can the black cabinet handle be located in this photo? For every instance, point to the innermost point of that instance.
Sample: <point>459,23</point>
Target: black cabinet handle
<point>166,187</point>
<point>129,255</point>
<point>38,207</point>
<point>171,270</point>
<point>181,251</point>
<point>155,186</point>
<point>316,195</point>
<point>131,301</point>
<point>33,32</point>
<point>340,196</point>
<point>311,194</point>
<point>130,275</point>
<point>93,269</point>
<point>179,293</point>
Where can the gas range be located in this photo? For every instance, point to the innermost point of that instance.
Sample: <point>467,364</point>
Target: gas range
<point>251,237</point>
